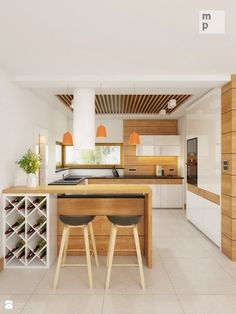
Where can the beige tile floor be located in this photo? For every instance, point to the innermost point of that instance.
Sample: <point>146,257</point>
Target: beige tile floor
<point>189,275</point>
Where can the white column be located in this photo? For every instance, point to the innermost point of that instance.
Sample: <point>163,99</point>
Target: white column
<point>84,118</point>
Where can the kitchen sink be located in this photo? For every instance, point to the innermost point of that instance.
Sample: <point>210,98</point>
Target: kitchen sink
<point>68,181</point>
<point>72,178</point>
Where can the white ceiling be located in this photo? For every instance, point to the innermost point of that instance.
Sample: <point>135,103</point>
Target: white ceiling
<point>53,45</point>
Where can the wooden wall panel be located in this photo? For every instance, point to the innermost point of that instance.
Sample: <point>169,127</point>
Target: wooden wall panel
<point>231,163</point>
<point>229,143</point>
<point>228,205</point>
<point>228,184</point>
<point>146,165</point>
<point>1,264</point>
<point>229,121</point>
<point>228,247</point>
<point>228,177</point>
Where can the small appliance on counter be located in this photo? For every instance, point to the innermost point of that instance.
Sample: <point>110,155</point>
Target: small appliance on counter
<point>159,171</point>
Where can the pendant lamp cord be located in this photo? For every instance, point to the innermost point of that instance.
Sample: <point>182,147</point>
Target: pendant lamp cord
<point>134,108</point>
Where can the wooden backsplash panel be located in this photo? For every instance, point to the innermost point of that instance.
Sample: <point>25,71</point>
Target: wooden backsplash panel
<point>146,165</point>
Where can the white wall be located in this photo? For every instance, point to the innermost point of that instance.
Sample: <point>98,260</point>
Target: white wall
<point>21,114</point>
<point>114,131</point>
<point>203,120</point>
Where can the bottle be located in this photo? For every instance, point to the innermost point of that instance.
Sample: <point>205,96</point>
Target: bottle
<point>31,206</point>
<point>43,230</point>
<point>31,230</point>
<point>9,255</point>
<point>9,206</point>
<point>16,200</point>
<point>30,255</point>
<point>9,230</point>
<point>21,230</point>
<point>37,201</point>
<point>19,245</point>
<point>40,221</point>
<point>43,207</point>
<point>44,253</point>
<point>19,221</point>
<point>21,207</point>
<point>22,254</point>
<point>39,245</point>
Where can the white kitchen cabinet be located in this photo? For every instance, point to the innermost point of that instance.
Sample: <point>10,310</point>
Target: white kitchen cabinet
<point>171,195</point>
<point>170,151</point>
<point>147,140</point>
<point>205,215</point>
<point>167,195</point>
<point>145,150</point>
<point>155,195</point>
<point>194,211</point>
<point>167,140</point>
<point>158,145</point>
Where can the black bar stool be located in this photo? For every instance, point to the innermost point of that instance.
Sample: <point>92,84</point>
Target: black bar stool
<point>84,222</point>
<point>123,222</point>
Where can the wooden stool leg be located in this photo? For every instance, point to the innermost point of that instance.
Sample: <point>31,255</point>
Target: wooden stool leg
<point>59,261</point>
<point>139,256</point>
<point>93,243</point>
<point>66,247</point>
<point>109,248</point>
<point>86,241</point>
<point>111,254</point>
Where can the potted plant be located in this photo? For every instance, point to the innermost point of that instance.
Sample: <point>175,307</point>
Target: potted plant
<point>30,163</point>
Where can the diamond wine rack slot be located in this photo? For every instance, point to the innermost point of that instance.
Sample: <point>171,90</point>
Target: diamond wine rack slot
<point>26,226</point>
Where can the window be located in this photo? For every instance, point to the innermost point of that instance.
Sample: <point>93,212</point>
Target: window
<point>59,155</point>
<point>103,156</point>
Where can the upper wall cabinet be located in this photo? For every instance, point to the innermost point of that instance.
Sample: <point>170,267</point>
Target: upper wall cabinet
<point>158,145</point>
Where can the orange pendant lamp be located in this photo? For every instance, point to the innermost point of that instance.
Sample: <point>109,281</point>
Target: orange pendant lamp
<point>134,139</point>
<point>67,139</point>
<point>101,131</point>
<point>134,136</point>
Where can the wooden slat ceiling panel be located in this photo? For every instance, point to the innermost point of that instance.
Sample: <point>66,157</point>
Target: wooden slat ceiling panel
<point>127,104</point>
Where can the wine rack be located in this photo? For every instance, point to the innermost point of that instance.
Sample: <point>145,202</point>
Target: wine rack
<point>26,231</point>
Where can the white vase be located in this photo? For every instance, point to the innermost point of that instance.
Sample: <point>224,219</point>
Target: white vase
<point>31,180</point>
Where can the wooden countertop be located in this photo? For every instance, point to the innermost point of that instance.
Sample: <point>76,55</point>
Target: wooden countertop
<point>81,189</point>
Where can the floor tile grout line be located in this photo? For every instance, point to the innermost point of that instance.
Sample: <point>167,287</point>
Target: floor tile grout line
<point>22,310</point>
<point>103,301</point>
<point>41,280</point>
<point>32,294</point>
<point>179,301</point>
<point>219,264</point>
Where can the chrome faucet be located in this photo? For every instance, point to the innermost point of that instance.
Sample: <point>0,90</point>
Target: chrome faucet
<point>63,176</point>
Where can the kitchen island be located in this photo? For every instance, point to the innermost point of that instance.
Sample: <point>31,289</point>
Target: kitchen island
<point>99,200</point>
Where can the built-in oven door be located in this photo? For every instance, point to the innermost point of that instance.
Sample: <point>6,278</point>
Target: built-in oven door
<point>192,173</point>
